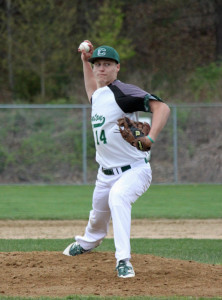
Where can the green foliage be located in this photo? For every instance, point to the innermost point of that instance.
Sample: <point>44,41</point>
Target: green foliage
<point>43,40</point>
<point>160,44</point>
<point>27,85</point>
<point>205,82</point>
<point>108,27</point>
<point>3,157</point>
<point>36,144</point>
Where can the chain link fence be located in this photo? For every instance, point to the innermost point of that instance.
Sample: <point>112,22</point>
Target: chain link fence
<point>53,144</point>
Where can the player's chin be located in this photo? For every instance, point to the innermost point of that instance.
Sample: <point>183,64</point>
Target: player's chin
<point>103,81</point>
<point>102,77</point>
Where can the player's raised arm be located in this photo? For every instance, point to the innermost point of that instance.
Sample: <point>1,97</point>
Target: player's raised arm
<point>86,48</point>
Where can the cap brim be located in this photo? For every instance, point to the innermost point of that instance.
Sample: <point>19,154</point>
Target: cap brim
<point>93,59</point>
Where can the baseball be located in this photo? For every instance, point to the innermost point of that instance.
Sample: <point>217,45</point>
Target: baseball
<point>84,46</point>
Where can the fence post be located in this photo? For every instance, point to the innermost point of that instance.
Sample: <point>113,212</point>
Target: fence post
<point>175,145</point>
<point>84,145</point>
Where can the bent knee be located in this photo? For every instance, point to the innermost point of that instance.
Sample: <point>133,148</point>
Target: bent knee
<point>99,220</point>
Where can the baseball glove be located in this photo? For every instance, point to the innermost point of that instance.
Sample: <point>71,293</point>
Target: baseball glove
<point>135,133</point>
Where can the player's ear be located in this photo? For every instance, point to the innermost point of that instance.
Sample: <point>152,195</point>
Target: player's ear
<point>118,67</point>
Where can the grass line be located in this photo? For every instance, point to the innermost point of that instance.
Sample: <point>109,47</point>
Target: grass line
<point>204,251</point>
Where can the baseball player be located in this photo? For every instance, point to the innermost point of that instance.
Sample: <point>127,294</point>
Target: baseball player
<point>124,173</point>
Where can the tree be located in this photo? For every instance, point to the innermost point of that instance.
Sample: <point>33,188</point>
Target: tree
<point>9,42</point>
<point>6,48</point>
<point>171,38</point>
<point>107,29</point>
<point>218,26</point>
<point>43,38</point>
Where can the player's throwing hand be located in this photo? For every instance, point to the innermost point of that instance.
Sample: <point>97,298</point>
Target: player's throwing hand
<point>86,48</point>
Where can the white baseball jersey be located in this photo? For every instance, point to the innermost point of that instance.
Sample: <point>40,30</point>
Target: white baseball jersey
<point>110,103</point>
<point>116,190</point>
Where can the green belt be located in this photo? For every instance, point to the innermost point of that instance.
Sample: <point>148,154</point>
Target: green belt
<point>111,172</point>
<point>123,169</point>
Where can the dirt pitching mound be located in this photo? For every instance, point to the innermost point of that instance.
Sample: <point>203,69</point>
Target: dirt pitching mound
<point>53,274</point>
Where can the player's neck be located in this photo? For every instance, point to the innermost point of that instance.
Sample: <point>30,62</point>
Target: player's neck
<point>102,84</point>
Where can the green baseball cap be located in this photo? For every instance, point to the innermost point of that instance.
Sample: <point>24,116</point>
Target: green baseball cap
<point>105,52</point>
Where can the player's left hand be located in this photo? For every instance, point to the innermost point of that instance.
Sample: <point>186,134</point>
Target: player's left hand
<point>135,133</point>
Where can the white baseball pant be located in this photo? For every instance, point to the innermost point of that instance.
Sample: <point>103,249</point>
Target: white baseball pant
<point>113,198</point>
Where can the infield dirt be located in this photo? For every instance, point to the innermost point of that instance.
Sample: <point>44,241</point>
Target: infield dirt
<point>53,274</point>
<point>142,228</point>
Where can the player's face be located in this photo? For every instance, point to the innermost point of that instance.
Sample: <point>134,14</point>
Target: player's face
<point>105,71</point>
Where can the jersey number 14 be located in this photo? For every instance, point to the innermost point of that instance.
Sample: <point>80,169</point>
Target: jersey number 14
<point>101,137</point>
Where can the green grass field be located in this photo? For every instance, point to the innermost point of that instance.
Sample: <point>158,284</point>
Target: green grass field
<point>205,251</point>
<point>74,202</point>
